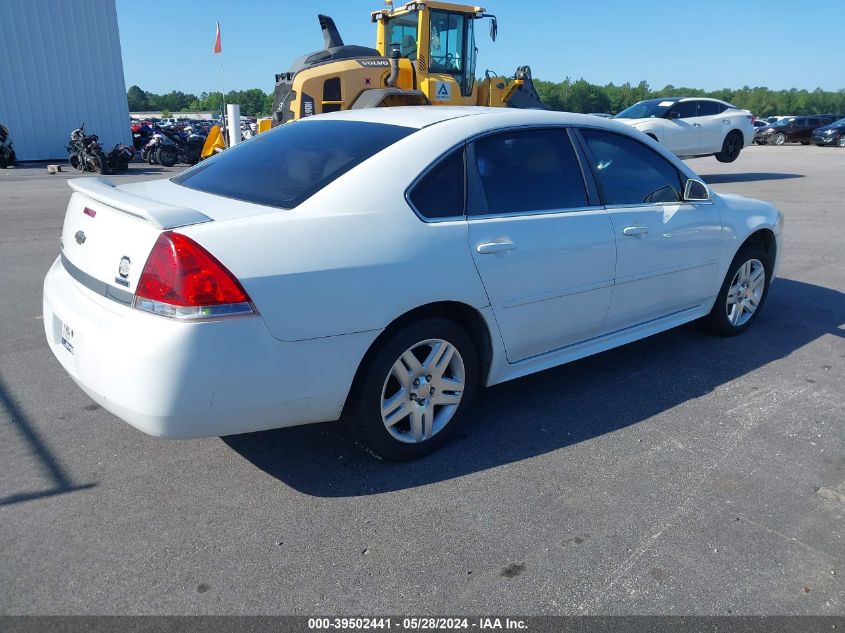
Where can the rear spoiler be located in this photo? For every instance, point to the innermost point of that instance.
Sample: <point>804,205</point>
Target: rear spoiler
<point>162,216</point>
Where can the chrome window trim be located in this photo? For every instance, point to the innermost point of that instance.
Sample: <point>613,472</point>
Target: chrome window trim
<point>519,214</point>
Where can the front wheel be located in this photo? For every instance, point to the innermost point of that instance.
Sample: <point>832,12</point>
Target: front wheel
<point>731,147</point>
<point>841,141</point>
<point>742,294</point>
<point>779,139</point>
<point>99,164</point>
<point>415,390</point>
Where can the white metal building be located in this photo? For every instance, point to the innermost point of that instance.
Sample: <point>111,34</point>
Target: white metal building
<point>61,66</point>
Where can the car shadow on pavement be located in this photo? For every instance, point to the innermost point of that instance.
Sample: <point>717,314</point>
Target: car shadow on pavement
<point>719,179</point>
<point>559,407</point>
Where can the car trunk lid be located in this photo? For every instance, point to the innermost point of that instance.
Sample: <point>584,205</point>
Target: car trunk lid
<point>108,234</point>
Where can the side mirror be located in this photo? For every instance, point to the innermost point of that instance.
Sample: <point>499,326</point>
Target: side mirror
<point>494,28</point>
<point>673,114</point>
<point>696,191</point>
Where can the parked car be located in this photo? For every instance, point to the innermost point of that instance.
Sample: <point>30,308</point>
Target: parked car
<point>833,134</point>
<point>381,265</point>
<point>790,130</point>
<point>691,127</point>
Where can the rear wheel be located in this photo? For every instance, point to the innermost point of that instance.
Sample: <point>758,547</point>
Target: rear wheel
<point>167,155</point>
<point>742,294</point>
<point>779,138</point>
<point>731,147</point>
<point>415,390</point>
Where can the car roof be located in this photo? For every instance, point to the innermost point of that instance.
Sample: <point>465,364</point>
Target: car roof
<point>423,116</point>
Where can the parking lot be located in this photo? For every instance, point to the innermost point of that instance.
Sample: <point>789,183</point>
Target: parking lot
<point>682,474</point>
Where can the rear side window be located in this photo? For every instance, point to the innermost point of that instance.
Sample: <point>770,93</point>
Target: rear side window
<point>628,172</point>
<point>287,165</point>
<point>530,170</point>
<point>440,192</point>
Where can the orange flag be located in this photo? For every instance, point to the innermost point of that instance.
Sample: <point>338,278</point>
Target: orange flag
<point>217,47</point>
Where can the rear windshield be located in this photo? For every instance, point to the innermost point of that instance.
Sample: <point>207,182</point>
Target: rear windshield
<point>287,165</point>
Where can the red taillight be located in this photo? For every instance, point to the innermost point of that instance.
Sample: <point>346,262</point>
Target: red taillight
<point>184,280</point>
<point>89,212</point>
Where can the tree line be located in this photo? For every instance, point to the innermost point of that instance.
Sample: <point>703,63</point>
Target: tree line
<point>568,95</point>
<point>253,102</point>
<point>582,96</point>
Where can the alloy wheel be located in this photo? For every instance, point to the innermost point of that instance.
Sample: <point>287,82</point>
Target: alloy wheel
<point>422,391</point>
<point>779,138</point>
<point>745,292</point>
<point>841,141</point>
<point>732,147</point>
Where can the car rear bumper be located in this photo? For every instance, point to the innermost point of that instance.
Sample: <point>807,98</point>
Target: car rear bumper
<point>182,380</point>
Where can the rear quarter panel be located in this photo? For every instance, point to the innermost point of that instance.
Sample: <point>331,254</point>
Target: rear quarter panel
<point>354,256</point>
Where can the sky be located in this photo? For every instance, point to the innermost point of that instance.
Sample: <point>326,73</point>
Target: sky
<point>167,44</point>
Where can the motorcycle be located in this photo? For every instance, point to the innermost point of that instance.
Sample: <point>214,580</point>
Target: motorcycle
<point>7,152</point>
<point>119,158</point>
<point>148,152</point>
<point>141,134</point>
<point>85,153</point>
<point>175,147</point>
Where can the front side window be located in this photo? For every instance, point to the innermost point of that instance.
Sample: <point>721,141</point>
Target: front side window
<point>440,192</point>
<point>447,42</point>
<point>287,165</point>
<point>628,172</point>
<point>708,108</point>
<point>401,31</point>
<point>530,170</point>
<point>684,110</point>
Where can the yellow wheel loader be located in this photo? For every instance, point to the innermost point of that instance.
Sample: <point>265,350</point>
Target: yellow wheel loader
<point>425,54</point>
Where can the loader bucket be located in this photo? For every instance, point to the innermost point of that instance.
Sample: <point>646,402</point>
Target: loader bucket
<point>214,142</point>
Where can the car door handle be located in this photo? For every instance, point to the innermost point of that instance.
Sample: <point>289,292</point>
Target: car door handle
<point>495,247</point>
<point>696,124</point>
<point>635,230</point>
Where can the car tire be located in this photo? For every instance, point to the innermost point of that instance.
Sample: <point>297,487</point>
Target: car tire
<point>745,290</point>
<point>840,142</point>
<point>399,409</point>
<point>778,139</point>
<point>731,147</point>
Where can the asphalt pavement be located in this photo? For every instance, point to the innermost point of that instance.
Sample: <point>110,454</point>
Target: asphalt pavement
<point>682,474</point>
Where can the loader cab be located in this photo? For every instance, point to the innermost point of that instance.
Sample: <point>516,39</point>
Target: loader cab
<point>438,39</point>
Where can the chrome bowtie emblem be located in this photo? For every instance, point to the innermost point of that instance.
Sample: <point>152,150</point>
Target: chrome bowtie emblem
<point>80,237</point>
<point>123,268</point>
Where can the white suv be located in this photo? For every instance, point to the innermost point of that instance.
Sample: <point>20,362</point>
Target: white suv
<point>691,127</point>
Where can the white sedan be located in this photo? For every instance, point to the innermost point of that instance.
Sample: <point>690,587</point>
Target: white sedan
<point>691,127</point>
<point>379,266</point>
